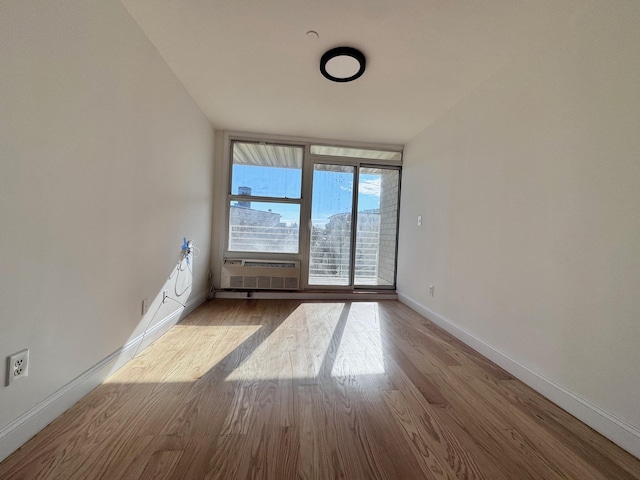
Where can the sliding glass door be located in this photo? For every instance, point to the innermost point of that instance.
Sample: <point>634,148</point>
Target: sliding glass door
<point>349,253</point>
<point>331,225</point>
<point>376,226</point>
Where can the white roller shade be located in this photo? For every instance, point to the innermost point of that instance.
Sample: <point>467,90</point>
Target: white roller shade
<point>356,153</point>
<point>256,154</point>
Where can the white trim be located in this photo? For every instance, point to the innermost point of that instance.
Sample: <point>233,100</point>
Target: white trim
<point>16,433</point>
<point>158,329</point>
<point>615,429</point>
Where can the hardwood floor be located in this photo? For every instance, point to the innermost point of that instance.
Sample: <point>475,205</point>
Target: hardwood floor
<point>287,389</point>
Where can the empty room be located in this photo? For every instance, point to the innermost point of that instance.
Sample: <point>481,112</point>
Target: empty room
<point>320,239</point>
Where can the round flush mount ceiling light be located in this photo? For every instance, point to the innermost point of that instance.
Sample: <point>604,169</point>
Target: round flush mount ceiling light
<point>343,64</point>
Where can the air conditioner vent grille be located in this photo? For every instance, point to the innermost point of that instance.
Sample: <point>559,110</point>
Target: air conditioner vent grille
<point>261,264</point>
<point>254,274</point>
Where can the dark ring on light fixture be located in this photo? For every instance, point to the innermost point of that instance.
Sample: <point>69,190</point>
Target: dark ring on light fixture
<point>340,52</point>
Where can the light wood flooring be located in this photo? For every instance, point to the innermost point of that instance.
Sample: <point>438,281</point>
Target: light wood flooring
<point>288,389</point>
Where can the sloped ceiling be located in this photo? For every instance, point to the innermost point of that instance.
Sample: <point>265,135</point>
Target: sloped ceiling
<point>251,67</point>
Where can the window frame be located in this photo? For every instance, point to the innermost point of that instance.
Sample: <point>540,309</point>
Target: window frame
<point>225,172</point>
<point>231,197</point>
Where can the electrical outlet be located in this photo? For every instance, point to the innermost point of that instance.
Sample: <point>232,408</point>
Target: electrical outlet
<point>431,290</point>
<point>145,306</point>
<point>165,296</point>
<point>17,366</point>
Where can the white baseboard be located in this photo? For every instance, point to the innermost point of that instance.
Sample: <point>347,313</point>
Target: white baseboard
<point>32,421</point>
<point>615,429</point>
<point>158,329</point>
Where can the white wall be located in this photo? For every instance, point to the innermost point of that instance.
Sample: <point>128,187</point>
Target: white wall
<point>106,163</point>
<point>529,192</point>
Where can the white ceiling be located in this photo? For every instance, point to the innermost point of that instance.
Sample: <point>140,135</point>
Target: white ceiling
<point>250,66</point>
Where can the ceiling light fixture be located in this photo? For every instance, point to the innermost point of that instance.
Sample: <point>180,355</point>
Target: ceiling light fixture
<point>342,64</point>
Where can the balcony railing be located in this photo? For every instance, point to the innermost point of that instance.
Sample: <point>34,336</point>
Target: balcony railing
<point>329,261</point>
<point>329,256</point>
<point>251,238</point>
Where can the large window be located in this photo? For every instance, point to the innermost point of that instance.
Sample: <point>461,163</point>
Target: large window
<point>333,208</point>
<point>264,207</point>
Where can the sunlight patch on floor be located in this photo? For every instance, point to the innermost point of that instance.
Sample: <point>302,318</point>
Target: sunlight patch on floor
<point>296,348</point>
<point>361,343</point>
<point>318,339</point>
<point>166,360</point>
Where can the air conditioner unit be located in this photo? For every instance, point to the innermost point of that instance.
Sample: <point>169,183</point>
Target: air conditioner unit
<point>254,274</point>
